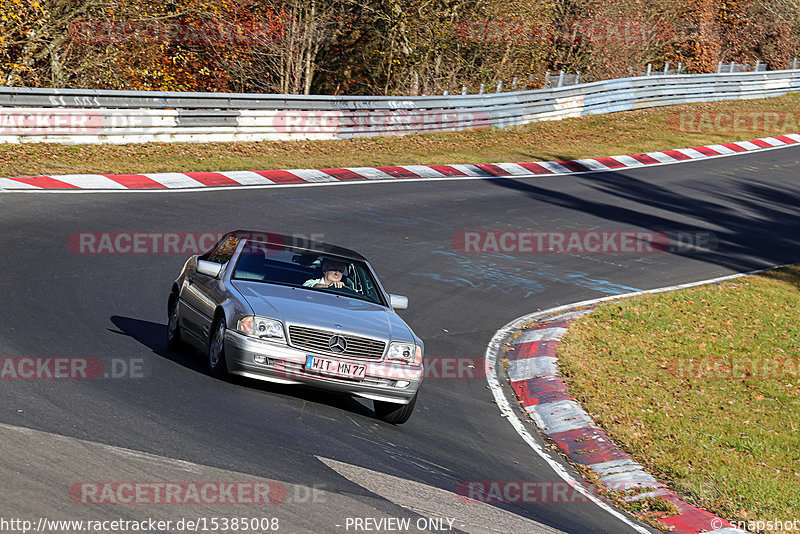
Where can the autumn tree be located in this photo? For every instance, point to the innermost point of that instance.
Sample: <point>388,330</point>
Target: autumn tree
<point>414,47</point>
<point>765,30</point>
<point>35,45</point>
<point>402,47</point>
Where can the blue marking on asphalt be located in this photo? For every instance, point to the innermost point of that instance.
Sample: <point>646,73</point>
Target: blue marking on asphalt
<point>485,275</point>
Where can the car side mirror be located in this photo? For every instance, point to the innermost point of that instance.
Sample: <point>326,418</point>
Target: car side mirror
<point>398,302</point>
<point>209,268</point>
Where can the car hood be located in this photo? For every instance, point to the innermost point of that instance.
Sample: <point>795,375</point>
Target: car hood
<point>325,311</point>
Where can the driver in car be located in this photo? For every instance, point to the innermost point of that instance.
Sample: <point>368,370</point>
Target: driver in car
<point>332,274</point>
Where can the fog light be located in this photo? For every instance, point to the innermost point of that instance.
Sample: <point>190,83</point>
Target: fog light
<point>259,359</point>
<point>402,384</point>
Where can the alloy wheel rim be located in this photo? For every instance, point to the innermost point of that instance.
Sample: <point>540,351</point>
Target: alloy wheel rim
<point>173,323</point>
<point>216,345</point>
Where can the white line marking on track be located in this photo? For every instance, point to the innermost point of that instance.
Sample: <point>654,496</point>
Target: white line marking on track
<point>721,149</point>
<point>173,179</point>
<point>555,167</point>
<point>772,141</point>
<point>661,157</point>
<point>510,414</point>
<point>7,183</point>
<point>692,153</point>
<point>513,169</point>
<point>10,186</point>
<point>471,170</point>
<point>628,161</point>
<point>90,181</point>
<point>470,515</point>
<point>424,171</point>
<point>247,177</point>
<point>371,173</point>
<point>313,175</point>
<point>593,164</point>
<point>498,343</point>
<point>748,145</point>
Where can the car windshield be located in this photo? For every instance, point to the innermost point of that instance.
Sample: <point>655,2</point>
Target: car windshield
<point>286,266</point>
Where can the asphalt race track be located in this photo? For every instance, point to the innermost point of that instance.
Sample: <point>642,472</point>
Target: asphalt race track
<point>172,422</point>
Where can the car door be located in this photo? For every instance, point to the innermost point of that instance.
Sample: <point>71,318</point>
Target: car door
<point>201,294</point>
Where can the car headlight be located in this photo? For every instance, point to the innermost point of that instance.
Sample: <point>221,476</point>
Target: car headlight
<point>405,352</point>
<point>261,327</point>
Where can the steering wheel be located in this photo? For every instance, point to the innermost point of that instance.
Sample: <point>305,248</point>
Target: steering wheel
<point>344,290</point>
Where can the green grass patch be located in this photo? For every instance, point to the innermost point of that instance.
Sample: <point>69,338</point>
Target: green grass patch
<point>702,386</point>
<point>584,137</point>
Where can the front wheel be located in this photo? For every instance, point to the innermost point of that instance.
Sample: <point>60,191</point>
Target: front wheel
<point>216,349</point>
<point>174,342</point>
<point>394,413</point>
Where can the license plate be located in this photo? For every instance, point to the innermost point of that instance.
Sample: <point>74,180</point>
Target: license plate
<point>329,367</point>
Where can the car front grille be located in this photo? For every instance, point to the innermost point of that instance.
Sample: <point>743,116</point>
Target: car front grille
<point>317,340</point>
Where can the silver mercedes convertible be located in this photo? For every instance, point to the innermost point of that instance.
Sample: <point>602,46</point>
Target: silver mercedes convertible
<point>264,306</point>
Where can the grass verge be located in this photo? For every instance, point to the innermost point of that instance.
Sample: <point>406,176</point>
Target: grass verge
<point>702,386</point>
<point>584,137</point>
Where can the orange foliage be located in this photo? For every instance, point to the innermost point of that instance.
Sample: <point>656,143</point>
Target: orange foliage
<point>376,46</point>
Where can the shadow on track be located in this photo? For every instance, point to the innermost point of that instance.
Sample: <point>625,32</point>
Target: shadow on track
<point>752,222</point>
<point>154,336</point>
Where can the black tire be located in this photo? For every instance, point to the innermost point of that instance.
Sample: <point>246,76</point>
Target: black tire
<point>215,359</point>
<point>391,412</point>
<point>174,341</point>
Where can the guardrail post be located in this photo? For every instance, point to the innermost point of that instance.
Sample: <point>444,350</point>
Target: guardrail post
<point>794,63</point>
<point>499,87</point>
<point>446,92</point>
<point>463,89</point>
<point>733,64</point>
<point>758,63</point>
<point>666,67</point>
<point>483,88</point>
<point>514,84</point>
<point>649,68</point>
<point>680,67</point>
<point>560,78</point>
<point>719,67</point>
<point>578,78</point>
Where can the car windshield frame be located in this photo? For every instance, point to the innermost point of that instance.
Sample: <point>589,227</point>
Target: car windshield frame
<point>292,266</point>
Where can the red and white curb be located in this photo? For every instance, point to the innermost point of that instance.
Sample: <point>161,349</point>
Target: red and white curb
<point>193,181</point>
<point>530,344</point>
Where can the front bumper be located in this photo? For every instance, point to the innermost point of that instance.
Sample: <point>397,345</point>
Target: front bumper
<point>388,382</point>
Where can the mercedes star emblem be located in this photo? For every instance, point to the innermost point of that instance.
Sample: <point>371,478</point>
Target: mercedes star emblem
<point>337,344</point>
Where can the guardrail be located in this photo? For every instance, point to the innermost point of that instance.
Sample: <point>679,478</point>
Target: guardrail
<point>79,116</point>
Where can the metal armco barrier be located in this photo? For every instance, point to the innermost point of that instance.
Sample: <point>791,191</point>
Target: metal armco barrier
<point>78,116</point>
